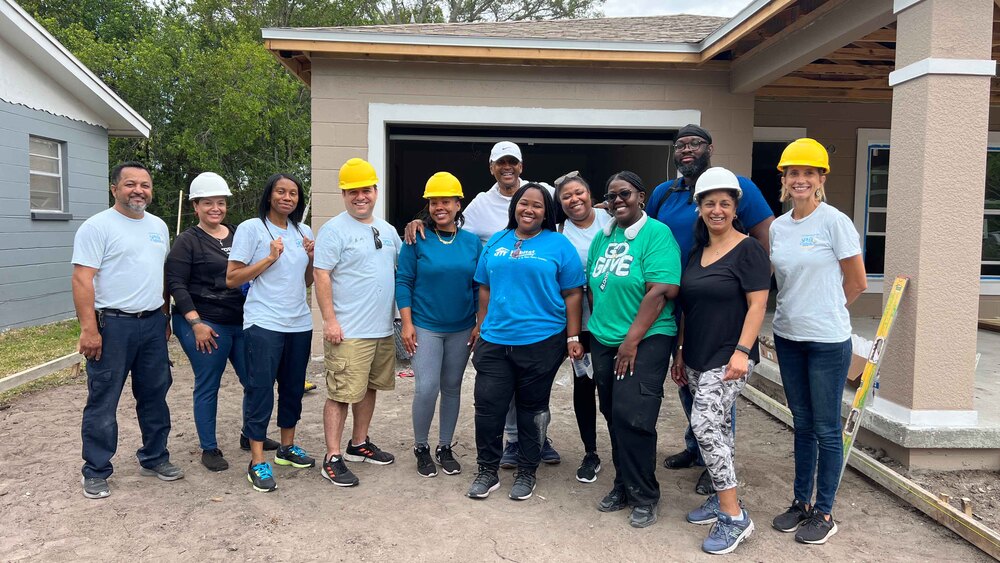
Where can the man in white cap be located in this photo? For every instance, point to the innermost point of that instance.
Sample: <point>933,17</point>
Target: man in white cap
<point>485,216</point>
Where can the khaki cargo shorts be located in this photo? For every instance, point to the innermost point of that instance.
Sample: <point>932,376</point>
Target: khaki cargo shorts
<point>358,364</point>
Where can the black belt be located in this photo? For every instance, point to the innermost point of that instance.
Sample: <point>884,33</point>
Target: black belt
<point>120,313</point>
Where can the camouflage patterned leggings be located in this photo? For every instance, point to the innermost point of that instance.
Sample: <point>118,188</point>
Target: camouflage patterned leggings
<point>711,421</point>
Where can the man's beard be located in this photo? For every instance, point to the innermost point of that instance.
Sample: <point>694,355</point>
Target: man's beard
<point>137,207</point>
<point>695,167</point>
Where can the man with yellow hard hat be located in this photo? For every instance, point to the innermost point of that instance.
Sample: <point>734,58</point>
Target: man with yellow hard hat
<point>356,254</point>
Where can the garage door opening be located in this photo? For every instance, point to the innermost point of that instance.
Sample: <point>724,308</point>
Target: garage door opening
<point>416,152</point>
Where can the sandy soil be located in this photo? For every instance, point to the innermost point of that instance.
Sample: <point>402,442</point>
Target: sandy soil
<point>395,514</point>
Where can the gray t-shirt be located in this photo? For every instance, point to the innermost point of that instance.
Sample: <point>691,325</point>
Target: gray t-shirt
<point>277,298</point>
<point>363,276</point>
<point>128,255</point>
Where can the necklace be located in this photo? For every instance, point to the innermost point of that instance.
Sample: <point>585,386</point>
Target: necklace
<point>529,238</point>
<point>448,241</point>
<point>217,239</point>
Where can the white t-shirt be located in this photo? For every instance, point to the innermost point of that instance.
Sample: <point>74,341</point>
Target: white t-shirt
<point>581,239</point>
<point>129,256</point>
<point>806,256</point>
<point>487,214</point>
<point>277,298</point>
<point>363,276</point>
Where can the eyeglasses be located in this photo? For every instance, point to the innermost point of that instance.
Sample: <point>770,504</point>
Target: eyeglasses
<point>517,249</point>
<point>378,241</point>
<point>567,176</point>
<point>693,145</point>
<point>623,194</point>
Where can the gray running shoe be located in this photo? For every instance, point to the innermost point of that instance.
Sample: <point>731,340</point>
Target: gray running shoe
<point>95,487</point>
<point>524,485</point>
<point>486,482</point>
<point>165,471</point>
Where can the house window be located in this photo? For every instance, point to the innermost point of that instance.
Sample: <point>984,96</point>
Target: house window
<point>46,178</point>
<point>871,215</point>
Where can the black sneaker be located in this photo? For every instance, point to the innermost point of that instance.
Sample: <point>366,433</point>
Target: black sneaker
<point>549,454</point>
<point>704,486</point>
<point>336,472</point>
<point>681,460</point>
<point>165,471</point>
<point>817,529</point>
<point>791,519</point>
<point>486,482</point>
<point>589,468</point>
<point>294,456</point>
<point>511,452</point>
<point>95,487</point>
<point>261,477</point>
<point>524,485</point>
<point>642,516</point>
<point>269,444</point>
<point>367,451</point>
<point>613,501</point>
<point>425,465</point>
<point>213,460</point>
<point>446,459</point>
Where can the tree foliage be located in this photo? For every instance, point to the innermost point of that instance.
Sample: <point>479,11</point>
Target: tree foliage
<point>215,98</point>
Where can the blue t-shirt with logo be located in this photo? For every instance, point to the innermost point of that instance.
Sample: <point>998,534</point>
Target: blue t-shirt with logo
<point>678,211</point>
<point>526,282</point>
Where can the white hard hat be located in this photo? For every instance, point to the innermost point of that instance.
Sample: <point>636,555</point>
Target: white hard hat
<point>208,184</point>
<point>717,178</point>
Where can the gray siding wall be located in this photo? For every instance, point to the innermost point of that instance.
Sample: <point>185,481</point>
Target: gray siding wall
<point>35,255</point>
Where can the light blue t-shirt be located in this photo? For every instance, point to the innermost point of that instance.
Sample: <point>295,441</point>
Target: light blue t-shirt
<point>526,284</point>
<point>363,275</point>
<point>128,255</point>
<point>277,298</point>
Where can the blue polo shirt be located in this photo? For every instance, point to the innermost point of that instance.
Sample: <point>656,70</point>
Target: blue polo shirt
<point>678,211</point>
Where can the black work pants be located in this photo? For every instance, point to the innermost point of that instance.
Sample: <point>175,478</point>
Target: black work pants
<point>631,407</point>
<point>526,374</point>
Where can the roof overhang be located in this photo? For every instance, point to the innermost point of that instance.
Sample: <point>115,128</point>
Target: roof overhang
<point>31,39</point>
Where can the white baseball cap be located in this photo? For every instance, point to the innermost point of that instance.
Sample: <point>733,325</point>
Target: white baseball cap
<point>505,148</point>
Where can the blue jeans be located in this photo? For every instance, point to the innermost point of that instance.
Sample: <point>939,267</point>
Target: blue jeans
<point>208,368</point>
<point>128,345</point>
<point>273,356</point>
<point>690,442</point>
<point>813,375</point>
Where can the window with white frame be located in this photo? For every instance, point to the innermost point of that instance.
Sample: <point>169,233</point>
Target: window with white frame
<point>46,174</point>
<point>871,195</point>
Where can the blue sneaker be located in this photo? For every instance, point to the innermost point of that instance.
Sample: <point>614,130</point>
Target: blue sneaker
<point>510,454</point>
<point>549,454</point>
<point>726,534</point>
<point>707,513</point>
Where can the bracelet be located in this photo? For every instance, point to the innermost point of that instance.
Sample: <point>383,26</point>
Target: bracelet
<point>572,339</point>
<point>742,348</point>
<point>195,321</point>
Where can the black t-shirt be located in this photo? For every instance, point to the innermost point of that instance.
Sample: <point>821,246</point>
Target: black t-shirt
<point>714,303</point>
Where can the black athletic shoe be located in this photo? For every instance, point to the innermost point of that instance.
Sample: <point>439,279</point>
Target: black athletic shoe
<point>425,465</point>
<point>613,501</point>
<point>269,444</point>
<point>589,468</point>
<point>213,460</point>
<point>446,459</point>
<point>294,456</point>
<point>524,485</point>
<point>261,477</point>
<point>817,529</point>
<point>681,460</point>
<point>511,453</point>
<point>486,482</point>
<point>704,486</point>
<point>95,487</point>
<point>549,454</point>
<point>336,472</point>
<point>791,519</point>
<point>642,516</point>
<point>367,451</point>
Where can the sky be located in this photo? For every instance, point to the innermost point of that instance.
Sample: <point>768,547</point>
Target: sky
<point>614,8</point>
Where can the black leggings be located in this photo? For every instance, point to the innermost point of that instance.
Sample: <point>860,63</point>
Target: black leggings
<point>585,403</point>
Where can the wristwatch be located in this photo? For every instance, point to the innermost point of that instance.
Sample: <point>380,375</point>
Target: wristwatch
<point>572,339</point>
<point>742,348</point>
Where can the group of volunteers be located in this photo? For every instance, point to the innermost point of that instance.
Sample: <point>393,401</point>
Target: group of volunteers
<point>673,280</point>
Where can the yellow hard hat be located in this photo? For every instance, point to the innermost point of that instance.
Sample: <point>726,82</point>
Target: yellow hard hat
<point>357,173</point>
<point>805,152</point>
<point>443,184</point>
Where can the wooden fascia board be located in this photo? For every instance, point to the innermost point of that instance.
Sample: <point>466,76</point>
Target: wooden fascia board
<point>476,53</point>
<point>294,67</point>
<point>748,25</point>
<point>849,21</point>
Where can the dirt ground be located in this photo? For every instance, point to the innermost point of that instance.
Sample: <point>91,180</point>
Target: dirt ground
<point>395,514</point>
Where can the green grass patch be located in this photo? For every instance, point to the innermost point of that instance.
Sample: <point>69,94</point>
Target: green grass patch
<point>25,348</point>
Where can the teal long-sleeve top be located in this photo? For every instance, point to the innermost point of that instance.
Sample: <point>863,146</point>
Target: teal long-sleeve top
<point>435,280</point>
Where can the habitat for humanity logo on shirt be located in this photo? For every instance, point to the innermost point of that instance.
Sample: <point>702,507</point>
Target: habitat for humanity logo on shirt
<point>155,237</point>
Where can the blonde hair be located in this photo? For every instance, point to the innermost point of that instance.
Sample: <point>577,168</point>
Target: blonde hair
<point>820,192</point>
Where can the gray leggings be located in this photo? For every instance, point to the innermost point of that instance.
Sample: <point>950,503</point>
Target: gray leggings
<point>712,423</point>
<point>438,367</point>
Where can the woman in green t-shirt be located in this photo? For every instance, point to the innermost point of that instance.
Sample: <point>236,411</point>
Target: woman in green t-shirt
<point>634,271</point>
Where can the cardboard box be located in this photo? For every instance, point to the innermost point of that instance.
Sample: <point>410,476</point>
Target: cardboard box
<point>767,351</point>
<point>857,368</point>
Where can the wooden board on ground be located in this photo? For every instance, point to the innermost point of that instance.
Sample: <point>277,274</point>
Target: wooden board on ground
<point>48,368</point>
<point>992,325</point>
